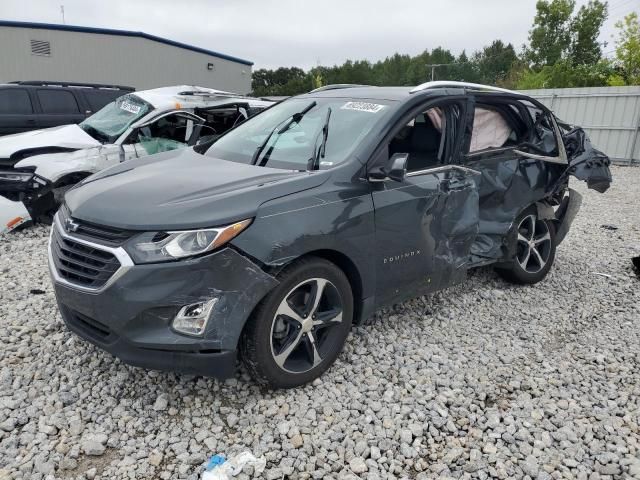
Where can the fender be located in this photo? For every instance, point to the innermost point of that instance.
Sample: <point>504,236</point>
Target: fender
<point>54,166</point>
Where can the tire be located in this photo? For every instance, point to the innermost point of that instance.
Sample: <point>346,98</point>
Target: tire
<point>535,249</point>
<point>290,339</point>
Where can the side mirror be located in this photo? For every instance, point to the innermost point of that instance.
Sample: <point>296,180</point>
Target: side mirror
<point>395,169</point>
<point>398,167</point>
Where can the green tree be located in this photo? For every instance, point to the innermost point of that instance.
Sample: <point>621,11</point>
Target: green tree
<point>585,29</point>
<point>465,69</point>
<point>550,36</point>
<point>417,71</point>
<point>628,48</point>
<point>282,81</point>
<point>494,62</point>
<point>565,74</point>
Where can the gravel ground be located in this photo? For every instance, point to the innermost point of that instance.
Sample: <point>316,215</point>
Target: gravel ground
<point>482,380</point>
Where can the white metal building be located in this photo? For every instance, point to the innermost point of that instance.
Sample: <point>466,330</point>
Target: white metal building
<point>609,115</point>
<point>41,51</point>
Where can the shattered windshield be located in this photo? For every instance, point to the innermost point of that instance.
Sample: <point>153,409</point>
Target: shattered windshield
<point>302,133</point>
<point>108,124</point>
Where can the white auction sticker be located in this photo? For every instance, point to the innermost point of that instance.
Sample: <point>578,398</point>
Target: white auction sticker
<point>362,107</point>
<point>130,107</point>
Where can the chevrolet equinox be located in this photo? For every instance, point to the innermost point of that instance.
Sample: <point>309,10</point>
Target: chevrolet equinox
<point>269,243</point>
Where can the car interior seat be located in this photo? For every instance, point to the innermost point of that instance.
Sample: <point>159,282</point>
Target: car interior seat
<point>424,143</point>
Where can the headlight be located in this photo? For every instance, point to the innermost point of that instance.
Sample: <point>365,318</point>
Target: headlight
<point>10,176</point>
<point>165,246</point>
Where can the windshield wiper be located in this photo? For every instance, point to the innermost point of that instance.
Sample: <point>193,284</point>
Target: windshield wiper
<point>314,161</point>
<point>295,118</point>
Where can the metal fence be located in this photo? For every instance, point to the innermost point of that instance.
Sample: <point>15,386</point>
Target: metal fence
<point>610,115</point>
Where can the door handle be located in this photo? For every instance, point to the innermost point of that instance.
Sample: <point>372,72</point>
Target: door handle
<point>31,121</point>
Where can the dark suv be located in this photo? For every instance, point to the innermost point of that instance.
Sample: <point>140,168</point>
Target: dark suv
<point>34,105</point>
<point>308,217</point>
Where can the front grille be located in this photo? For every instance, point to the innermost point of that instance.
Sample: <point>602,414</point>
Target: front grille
<point>81,264</point>
<point>108,235</point>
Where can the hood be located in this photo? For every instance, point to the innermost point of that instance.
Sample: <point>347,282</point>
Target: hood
<point>182,190</point>
<point>70,137</point>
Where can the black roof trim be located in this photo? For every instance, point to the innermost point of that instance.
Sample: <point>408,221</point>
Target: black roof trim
<point>338,86</point>
<point>123,33</point>
<point>45,83</point>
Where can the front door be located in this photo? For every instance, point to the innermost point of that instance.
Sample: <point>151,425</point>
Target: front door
<point>170,131</point>
<point>426,224</point>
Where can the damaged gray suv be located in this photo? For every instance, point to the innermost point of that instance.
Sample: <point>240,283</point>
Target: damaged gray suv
<point>270,244</point>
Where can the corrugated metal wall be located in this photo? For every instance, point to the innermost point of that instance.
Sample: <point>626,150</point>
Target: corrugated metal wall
<point>122,60</point>
<point>610,115</point>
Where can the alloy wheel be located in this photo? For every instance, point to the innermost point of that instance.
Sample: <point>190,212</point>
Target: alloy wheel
<point>303,328</point>
<point>534,244</point>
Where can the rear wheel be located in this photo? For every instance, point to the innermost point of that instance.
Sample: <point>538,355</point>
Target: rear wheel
<point>535,249</point>
<point>299,329</point>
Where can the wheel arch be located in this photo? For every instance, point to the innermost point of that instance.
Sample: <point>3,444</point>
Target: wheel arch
<point>542,208</point>
<point>344,263</point>
<point>71,178</point>
<point>348,267</point>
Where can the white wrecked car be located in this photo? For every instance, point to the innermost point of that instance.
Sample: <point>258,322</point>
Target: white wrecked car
<point>38,167</point>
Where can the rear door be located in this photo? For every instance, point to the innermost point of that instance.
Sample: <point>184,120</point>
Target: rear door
<point>515,147</point>
<point>58,106</point>
<point>16,111</point>
<point>222,118</point>
<point>425,225</point>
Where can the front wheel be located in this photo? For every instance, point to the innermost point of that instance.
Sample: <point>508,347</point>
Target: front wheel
<point>299,329</point>
<point>535,249</point>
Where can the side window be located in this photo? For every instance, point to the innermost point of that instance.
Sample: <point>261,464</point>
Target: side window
<point>219,120</point>
<point>428,138</point>
<point>167,133</point>
<point>99,98</point>
<point>542,136</point>
<point>15,101</point>
<point>57,102</point>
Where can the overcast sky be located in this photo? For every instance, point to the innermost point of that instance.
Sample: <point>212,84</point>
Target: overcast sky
<point>304,33</point>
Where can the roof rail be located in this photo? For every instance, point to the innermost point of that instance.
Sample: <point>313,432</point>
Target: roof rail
<point>200,93</point>
<point>450,84</point>
<point>46,83</point>
<point>337,86</point>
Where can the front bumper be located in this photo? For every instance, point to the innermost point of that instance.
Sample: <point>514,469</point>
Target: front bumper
<point>168,357</point>
<point>12,215</point>
<point>34,196</point>
<point>131,316</point>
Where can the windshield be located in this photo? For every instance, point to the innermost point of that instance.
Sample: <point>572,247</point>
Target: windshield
<point>108,124</point>
<point>296,132</point>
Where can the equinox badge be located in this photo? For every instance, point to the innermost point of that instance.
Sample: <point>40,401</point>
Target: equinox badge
<point>402,256</point>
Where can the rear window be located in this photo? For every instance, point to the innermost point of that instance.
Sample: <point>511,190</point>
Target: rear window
<point>15,101</point>
<point>99,98</point>
<point>57,101</point>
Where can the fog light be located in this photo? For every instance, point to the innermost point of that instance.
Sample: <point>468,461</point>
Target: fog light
<point>192,319</point>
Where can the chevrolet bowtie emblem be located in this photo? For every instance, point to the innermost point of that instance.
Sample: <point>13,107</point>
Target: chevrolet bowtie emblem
<point>70,225</point>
